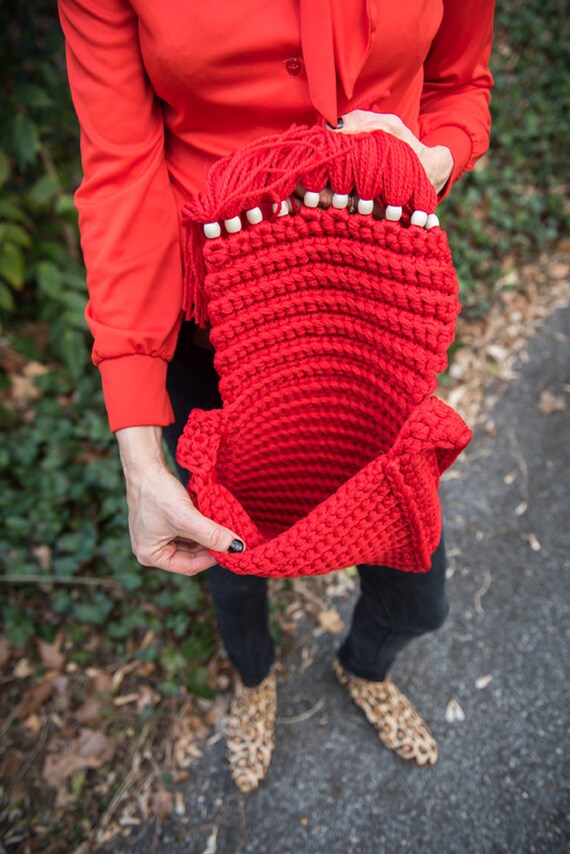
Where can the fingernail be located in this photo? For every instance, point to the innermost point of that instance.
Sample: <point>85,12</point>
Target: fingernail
<point>340,124</point>
<point>236,546</point>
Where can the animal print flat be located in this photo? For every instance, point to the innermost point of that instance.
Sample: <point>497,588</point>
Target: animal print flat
<point>250,732</point>
<point>398,724</point>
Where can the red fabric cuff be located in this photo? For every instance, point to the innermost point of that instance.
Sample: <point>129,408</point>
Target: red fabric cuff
<point>459,143</point>
<point>134,388</point>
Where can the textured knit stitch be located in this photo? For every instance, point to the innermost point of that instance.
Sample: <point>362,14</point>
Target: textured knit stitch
<point>329,329</point>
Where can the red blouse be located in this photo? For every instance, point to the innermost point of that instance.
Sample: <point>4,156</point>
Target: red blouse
<point>162,90</point>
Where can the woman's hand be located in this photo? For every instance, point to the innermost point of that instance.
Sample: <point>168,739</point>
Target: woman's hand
<point>167,531</point>
<point>436,160</point>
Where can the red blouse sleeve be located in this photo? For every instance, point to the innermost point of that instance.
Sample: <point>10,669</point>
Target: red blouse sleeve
<point>454,108</point>
<point>127,212</point>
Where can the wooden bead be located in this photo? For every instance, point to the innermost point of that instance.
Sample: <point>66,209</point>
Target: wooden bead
<point>419,218</point>
<point>393,213</point>
<point>233,225</point>
<point>254,216</point>
<point>281,208</point>
<point>312,199</point>
<point>365,206</point>
<point>340,200</point>
<point>212,229</point>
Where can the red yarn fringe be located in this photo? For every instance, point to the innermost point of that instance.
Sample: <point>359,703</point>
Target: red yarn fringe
<point>377,165</point>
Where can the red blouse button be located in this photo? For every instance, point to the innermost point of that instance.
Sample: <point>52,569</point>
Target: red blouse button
<point>294,65</point>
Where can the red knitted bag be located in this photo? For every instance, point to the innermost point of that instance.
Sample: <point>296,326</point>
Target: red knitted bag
<point>329,328</point>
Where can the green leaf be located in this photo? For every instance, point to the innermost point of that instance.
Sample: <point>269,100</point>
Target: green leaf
<point>12,265</point>
<point>169,689</point>
<point>72,349</point>
<point>49,280</point>
<point>43,191</point>
<point>6,299</point>
<point>95,612</point>
<point>26,139</point>
<point>18,626</point>
<point>11,208</point>
<point>12,233</point>
<point>4,168</point>
<point>65,206</point>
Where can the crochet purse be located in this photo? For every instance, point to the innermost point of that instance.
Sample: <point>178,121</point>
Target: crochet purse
<point>329,328</point>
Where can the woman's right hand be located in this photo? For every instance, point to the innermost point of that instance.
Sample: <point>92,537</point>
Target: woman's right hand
<point>167,531</point>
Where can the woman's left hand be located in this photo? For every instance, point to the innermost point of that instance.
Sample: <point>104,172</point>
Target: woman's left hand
<point>436,160</point>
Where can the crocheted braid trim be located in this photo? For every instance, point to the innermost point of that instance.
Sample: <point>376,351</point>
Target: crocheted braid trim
<point>329,329</point>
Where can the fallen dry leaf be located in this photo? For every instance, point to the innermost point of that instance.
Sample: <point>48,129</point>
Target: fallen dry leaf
<point>61,687</point>
<point>90,711</point>
<point>23,669</point>
<point>11,361</point>
<point>90,749</point>
<point>559,270</point>
<point>11,766</point>
<point>454,712</point>
<point>101,682</point>
<point>124,699</point>
<point>43,555</point>
<point>549,402</point>
<point>51,654</point>
<point>331,621</point>
<point>33,724</point>
<point>497,353</point>
<point>121,672</point>
<point>5,650</point>
<point>162,804</point>
<point>34,698</point>
<point>95,743</point>
<point>187,731</point>
<point>147,698</point>
<point>23,388</point>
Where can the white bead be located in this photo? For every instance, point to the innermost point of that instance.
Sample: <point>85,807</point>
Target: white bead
<point>254,215</point>
<point>365,206</point>
<point>233,225</point>
<point>340,200</point>
<point>312,199</point>
<point>393,213</point>
<point>432,221</point>
<point>281,208</point>
<point>419,218</point>
<point>212,229</point>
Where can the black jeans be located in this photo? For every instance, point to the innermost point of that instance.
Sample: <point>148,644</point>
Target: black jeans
<point>393,606</point>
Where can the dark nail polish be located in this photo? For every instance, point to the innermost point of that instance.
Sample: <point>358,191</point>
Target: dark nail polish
<point>236,546</point>
<point>340,124</point>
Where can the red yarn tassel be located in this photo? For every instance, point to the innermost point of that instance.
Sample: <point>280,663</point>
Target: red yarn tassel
<point>194,302</point>
<point>379,166</point>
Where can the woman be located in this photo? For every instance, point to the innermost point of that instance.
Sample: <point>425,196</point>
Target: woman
<point>161,93</point>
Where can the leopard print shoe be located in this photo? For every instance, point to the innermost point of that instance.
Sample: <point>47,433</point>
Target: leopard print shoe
<point>398,724</point>
<point>250,732</point>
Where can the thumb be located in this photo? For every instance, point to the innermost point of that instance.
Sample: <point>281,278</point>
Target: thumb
<point>209,534</point>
